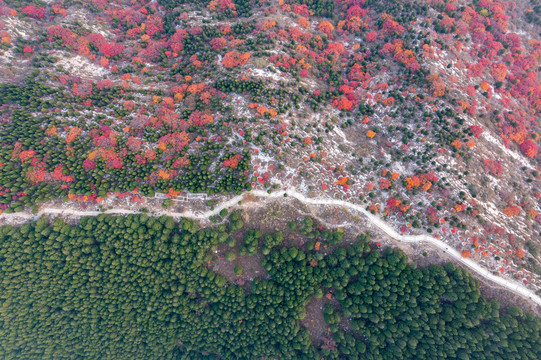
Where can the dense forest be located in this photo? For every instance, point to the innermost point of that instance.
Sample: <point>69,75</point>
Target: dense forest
<point>138,287</point>
<point>419,110</point>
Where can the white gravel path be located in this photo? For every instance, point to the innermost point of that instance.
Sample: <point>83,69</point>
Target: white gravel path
<point>511,285</point>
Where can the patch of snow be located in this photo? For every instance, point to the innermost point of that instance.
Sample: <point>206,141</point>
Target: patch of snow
<point>16,26</point>
<point>341,134</point>
<point>507,151</point>
<point>77,64</point>
<point>267,74</point>
<point>491,139</point>
<point>310,84</point>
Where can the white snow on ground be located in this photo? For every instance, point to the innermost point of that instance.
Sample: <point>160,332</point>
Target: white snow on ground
<point>16,26</point>
<point>77,64</point>
<point>101,29</point>
<point>311,84</point>
<point>374,220</point>
<point>397,167</point>
<point>10,54</point>
<point>262,157</point>
<point>342,135</point>
<point>198,18</point>
<point>488,137</point>
<point>267,74</point>
<point>507,151</point>
<point>240,104</point>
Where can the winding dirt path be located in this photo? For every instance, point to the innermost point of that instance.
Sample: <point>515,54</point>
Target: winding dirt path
<point>511,285</point>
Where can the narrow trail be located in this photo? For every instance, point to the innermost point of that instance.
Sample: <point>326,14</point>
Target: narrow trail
<point>511,285</point>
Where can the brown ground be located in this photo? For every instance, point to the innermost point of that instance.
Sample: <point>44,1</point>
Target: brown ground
<point>314,321</point>
<point>274,216</point>
<point>251,268</point>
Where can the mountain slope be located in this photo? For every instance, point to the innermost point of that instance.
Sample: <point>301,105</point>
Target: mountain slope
<point>427,113</point>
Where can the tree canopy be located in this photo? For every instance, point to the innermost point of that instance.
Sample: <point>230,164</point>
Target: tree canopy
<point>137,287</point>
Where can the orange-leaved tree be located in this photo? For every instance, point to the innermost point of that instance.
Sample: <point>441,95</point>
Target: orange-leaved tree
<point>529,148</point>
<point>325,27</point>
<point>234,58</point>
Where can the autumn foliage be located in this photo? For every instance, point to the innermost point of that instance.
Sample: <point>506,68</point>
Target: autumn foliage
<point>420,83</point>
<point>234,58</point>
<point>325,27</point>
<point>511,210</point>
<point>437,85</point>
<point>423,181</point>
<point>493,166</point>
<point>529,148</point>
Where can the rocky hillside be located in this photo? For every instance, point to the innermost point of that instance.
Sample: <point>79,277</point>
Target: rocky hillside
<point>427,112</point>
